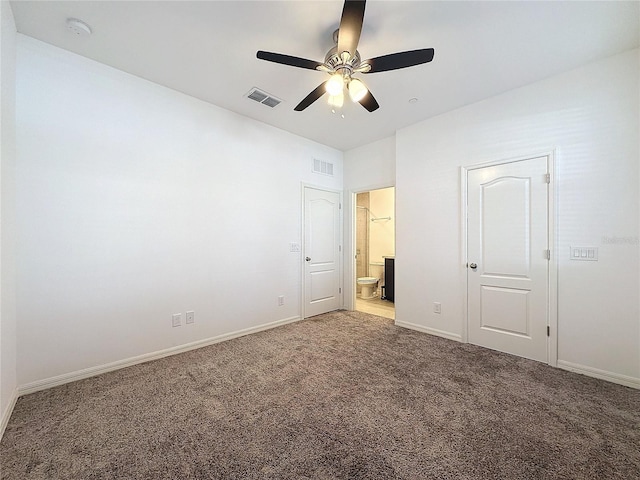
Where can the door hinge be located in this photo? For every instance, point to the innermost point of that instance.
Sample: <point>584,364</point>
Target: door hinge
<point>547,178</point>
<point>548,331</point>
<point>547,254</point>
<point>339,206</point>
<point>339,248</point>
<point>339,290</point>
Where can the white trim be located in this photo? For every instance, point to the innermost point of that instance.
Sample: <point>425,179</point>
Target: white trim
<point>552,355</point>
<point>516,158</point>
<point>463,257</point>
<point>6,415</point>
<point>147,357</point>
<point>350,304</point>
<point>379,186</point>
<point>552,293</point>
<point>429,330</point>
<point>601,374</point>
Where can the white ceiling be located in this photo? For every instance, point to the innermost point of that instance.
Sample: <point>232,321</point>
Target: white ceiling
<point>207,49</point>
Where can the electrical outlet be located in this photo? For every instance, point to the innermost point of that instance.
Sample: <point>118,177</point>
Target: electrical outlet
<point>437,307</point>
<point>191,317</point>
<point>281,300</point>
<point>176,319</point>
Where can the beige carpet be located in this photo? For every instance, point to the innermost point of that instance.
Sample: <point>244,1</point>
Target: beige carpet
<point>344,395</point>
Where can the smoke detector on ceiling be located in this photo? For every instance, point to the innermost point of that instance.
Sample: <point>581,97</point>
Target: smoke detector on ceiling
<point>78,27</point>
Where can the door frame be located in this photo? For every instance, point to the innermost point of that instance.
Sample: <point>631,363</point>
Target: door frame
<point>350,303</point>
<point>552,293</point>
<point>303,187</point>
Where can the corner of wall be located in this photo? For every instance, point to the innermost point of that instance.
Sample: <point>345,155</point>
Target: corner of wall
<point>369,167</point>
<point>8,335</point>
<point>6,412</point>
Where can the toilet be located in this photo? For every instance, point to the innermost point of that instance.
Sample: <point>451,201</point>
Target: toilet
<point>369,286</point>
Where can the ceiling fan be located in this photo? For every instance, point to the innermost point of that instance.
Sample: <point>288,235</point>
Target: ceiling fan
<point>343,61</point>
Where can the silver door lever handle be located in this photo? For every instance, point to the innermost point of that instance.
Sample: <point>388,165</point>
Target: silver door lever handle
<point>473,266</point>
<point>308,259</point>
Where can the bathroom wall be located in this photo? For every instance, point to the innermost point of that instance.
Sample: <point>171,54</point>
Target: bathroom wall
<point>382,232</point>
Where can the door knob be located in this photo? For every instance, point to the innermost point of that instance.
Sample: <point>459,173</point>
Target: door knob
<point>473,266</point>
<point>308,259</point>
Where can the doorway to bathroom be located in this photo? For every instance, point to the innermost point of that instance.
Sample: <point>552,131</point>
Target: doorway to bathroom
<point>375,243</point>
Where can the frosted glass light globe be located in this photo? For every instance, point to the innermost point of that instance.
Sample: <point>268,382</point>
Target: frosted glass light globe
<point>336,100</point>
<point>357,90</point>
<point>335,84</point>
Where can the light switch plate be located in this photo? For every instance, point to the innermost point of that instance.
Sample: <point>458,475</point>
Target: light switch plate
<point>584,254</point>
<point>191,317</point>
<point>176,319</point>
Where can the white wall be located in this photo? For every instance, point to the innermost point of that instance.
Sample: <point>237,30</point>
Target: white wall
<point>7,214</point>
<point>369,167</point>
<point>135,202</point>
<point>590,115</point>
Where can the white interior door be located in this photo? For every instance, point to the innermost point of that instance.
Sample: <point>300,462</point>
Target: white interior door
<point>508,269</point>
<point>322,291</point>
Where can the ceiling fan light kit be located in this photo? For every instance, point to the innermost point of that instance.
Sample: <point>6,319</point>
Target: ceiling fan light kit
<point>357,90</point>
<point>343,61</point>
<point>335,84</point>
<point>336,101</point>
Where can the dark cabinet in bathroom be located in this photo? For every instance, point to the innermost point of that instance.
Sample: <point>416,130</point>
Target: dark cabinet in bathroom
<point>389,278</point>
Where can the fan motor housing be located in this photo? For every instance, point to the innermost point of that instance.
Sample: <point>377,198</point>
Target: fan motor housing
<point>334,61</point>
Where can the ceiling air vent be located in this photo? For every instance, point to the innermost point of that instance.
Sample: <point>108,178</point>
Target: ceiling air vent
<point>263,97</point>
<point>320,166</point>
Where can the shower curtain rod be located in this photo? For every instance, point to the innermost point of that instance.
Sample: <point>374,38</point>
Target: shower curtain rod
<point>373,219</point>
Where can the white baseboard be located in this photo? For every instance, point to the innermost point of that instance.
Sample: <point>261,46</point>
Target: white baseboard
<point>6,415</point>
<point>601,374</point>
<point>429,330</point>
<point>147,357</point>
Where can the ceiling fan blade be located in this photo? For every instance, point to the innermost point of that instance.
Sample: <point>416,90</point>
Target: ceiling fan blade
<point>394,61</point>
<point>312,97</point>
<point>369,102</point>
<point>350,26</point>
<point>288,60</point>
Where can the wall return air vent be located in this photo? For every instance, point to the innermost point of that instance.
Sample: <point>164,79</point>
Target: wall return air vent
<point>263,97</point>
<point>320,166</point>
